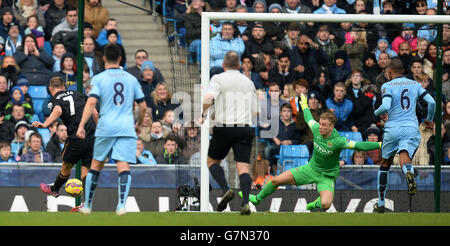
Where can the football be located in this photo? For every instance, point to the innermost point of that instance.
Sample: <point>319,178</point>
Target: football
<point>74,187</point>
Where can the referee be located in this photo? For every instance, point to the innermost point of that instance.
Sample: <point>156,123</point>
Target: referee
<point>234,97</point>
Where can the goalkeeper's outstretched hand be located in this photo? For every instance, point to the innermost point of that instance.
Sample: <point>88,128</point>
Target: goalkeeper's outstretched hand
<point>303,101</point>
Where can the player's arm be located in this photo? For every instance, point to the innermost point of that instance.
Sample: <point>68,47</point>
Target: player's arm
<point>363,146</point>
<point>309,119</point>
<point>385,105</point>
<point>95,115</point>
<point>56,113</point>
<point>431,106</point>
<point>87,113</point>
<point>141,113</point>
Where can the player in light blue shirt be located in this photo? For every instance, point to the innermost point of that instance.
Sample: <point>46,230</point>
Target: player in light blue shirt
<point>401,131</point>
<point>116,91</point>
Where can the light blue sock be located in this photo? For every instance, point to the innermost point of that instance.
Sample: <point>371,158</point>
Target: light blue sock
<point>91,184</point>
<point>382,184</point>
<point>124,184</point>
<point>408,167</point>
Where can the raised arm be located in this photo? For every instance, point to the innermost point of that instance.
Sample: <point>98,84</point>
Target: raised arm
<point>363,146</point>
<point>306,113</point>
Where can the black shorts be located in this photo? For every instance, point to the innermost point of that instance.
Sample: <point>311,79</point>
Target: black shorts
<point>238,138</point>
<point>76,149</point>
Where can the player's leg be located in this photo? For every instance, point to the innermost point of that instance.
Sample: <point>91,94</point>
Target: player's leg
<point>60,180</point>
<point>245,182</point>
<point>407,148</point>
<point>325,188</point>
<point>408,170</point>
<point>124,184</point>
<point>383,182</point>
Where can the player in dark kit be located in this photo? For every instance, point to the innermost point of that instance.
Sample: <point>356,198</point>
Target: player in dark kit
<point>68,106</point>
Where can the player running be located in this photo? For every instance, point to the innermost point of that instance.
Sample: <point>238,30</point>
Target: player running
<point>401,131</point>
<point>68,105</point>
<point>323,168</point>
<point>116,91</point>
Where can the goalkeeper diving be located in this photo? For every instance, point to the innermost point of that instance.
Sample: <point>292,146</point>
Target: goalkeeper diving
<point>323,168</point>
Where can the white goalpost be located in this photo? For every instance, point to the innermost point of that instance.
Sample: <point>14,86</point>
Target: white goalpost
<point>282,17</point>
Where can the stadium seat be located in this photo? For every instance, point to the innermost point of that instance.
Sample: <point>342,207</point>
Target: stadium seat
<point>293,156</point>
<point>38,91</point>
<point>37,105</point>
<point>48,48</point>
<point>35,118</point>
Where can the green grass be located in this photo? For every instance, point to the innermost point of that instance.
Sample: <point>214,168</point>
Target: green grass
<point>223,219</point>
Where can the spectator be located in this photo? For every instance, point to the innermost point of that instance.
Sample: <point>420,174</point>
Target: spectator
<point>143,156</point>
<point>95,14</point>
<point>422,45</point>
<point>145,128</point>
<point>156,143</point>
<point>192,23</point>
<point>25,8</point>
<point>55,146</point>
<point>5,153</point>
<point>307,58</point>
<point>355,46</point>
<point>68,71</point>
<point>258,41</point>
<point>283,73</point>
<point>325,43</point>
<point>429,62</point>
<point>317,106</point>
<point>342,108</point>
<point>373,134</point>
<point>271,105</point>
<point>288,92</point>
<point>4,93</point>
<point>171,154</point>
<point>16,97</point>
<point>322,83</point>
<point>295,6</point>
<point>359,158</point>
<point>446,150</point>
<point>93,61</point>
<point>362,112</point>
<point>383,61</point>
<point>53,16</point>
<point>112,36</point>
<point>287,135</point>
<point>102,38</point>
<point>247,69</point>
<point>275,30</point>
<point>420,7</point>
<point>339,72</point>
<point>329,7</point>
<point>230,6</point>
<point>25,86</point>
<point>391,28</point>
<point>224,42</point>
<point>161,101</point>
<point>66,32</point>
<point>148,81</point>
<point>35,153</point>
<point>383,45</point>
<point>407,35</point>
<point>14,41</point>
<point>340,32</point>
<point>428,31</point>
<point>431,144</point>
<point>260,173</point>
<point>18,138</point>
<point>373,32</point>
<point>7,18</point>
<point>34,27</point>
<point>243,27</point>
<point>370,69</point>
<point>301,86</point>
<point>58,51</point>
<point>140,56</point>
<point>404,53</point>
<point>167,122</point>
<point>6,131</point>
<point>192,140</point>
<point>292,34</point>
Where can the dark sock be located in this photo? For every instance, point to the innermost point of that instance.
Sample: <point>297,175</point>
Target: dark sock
<point>245,182</point>
<point>59,181</point>
<point>383,176</point>
<point>219,175</point>
<point>91,184</point>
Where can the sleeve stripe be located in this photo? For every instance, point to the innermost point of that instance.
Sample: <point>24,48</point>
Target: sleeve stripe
<point>423,95</point>
<point>387,95</point>
<point>93,95</point>
<point>140,100</point>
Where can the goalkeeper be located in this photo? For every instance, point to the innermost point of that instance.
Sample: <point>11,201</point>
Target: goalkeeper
<point>323,168</point>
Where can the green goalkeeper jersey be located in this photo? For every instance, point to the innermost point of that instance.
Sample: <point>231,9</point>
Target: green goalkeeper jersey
<point>325,158</point>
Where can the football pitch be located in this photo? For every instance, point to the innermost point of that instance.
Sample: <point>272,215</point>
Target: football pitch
<point>222,219</point>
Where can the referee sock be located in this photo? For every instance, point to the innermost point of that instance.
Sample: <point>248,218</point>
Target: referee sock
<point>268,189</point>
<point>59,181</point>
<point>245,183</point>
<point>219,175</point>
<point>383,181</point>
<point>91,184</point>
<point>124,187</point>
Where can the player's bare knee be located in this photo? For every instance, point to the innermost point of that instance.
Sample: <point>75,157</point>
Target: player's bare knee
<point>326,205</point>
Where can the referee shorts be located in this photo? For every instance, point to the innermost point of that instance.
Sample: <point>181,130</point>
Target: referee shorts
<point>240,139</point>
<point>76,149</point>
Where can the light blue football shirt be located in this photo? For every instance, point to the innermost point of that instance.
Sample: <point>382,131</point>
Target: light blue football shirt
<point>404,93</point>
<point>116,91</point>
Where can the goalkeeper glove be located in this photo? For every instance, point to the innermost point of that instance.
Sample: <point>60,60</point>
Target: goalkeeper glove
<point>303,101</point>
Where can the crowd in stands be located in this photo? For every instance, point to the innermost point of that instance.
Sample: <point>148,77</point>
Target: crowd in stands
<point>38,41</point>
<point>340,66</point>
